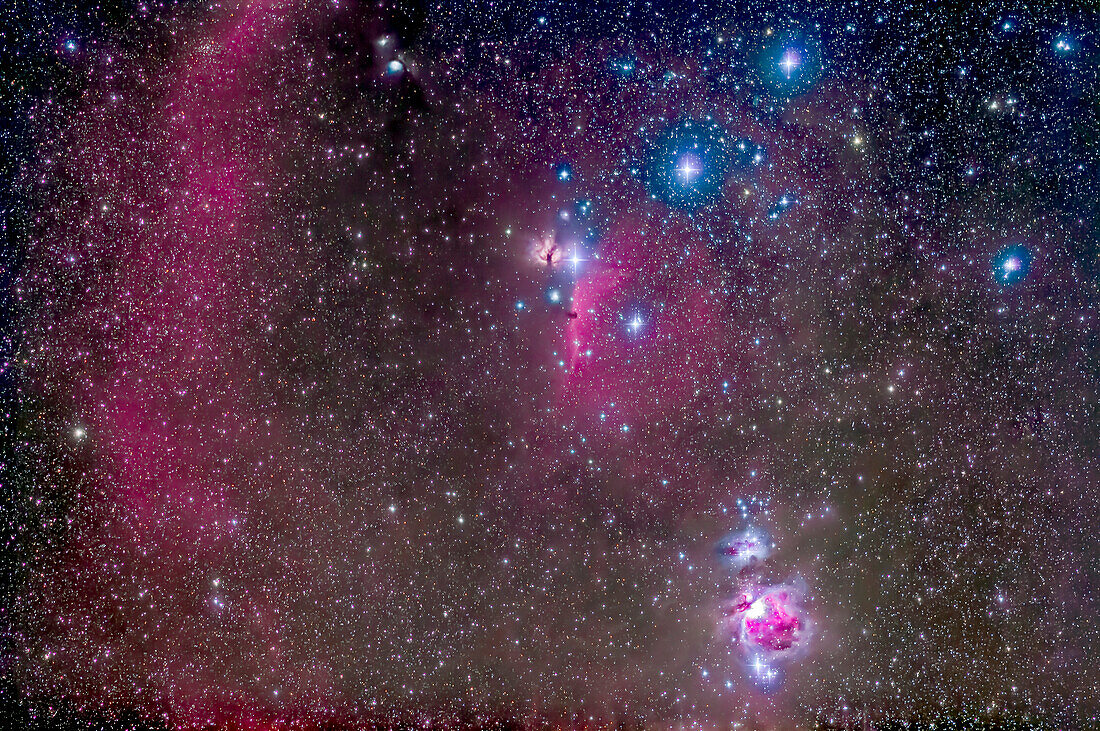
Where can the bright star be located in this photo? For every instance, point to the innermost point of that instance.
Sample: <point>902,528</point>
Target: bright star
<point>575,259</point>
<point>789,63</point>
<point>1012,264</point>
<point>688,168</point>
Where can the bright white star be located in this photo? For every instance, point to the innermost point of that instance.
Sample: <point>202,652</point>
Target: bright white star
<point>789,63</point>
<point>688,168</point>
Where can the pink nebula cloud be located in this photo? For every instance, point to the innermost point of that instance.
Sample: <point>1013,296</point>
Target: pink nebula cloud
<point>770,623</point>
<point>646,337</point>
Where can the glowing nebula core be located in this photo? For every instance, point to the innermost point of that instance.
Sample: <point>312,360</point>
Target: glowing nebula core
<point>770,624</point>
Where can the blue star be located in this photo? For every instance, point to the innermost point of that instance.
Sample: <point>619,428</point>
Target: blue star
<point>637,322</point>
<point>790,64</point>
<point>1012,264</point>
<point>690,161</point>
<point>780,207</point>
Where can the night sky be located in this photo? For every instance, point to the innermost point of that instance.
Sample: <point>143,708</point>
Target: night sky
<point>529,363</point>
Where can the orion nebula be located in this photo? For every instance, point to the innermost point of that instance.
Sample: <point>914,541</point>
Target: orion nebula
<point>769,623</point>
<point>521,365</point>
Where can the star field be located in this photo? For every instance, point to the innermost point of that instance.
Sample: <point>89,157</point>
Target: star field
<point>523,364</point>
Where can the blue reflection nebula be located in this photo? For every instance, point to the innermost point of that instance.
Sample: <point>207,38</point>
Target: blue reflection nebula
<point>741,548</point>
<point>1012,264</point>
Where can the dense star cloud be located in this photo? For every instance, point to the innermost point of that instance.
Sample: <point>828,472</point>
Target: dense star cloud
<point>467,364</point>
